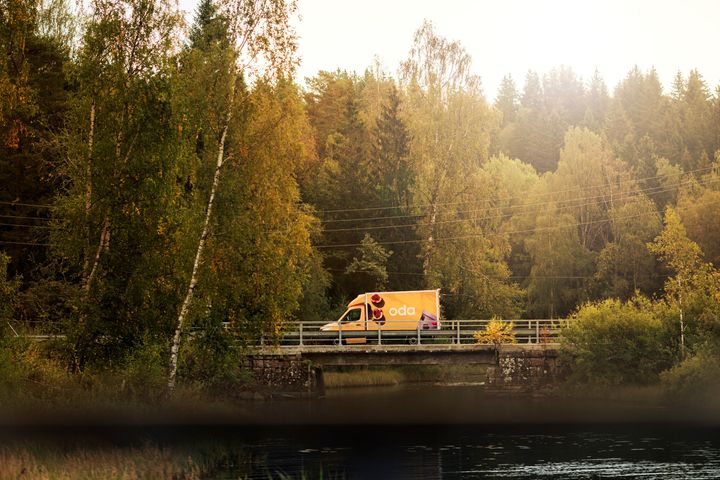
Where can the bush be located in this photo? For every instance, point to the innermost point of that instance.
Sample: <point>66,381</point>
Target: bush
<point>8,293</point>
<point>143,374</point>
<point>211,360</point>
<point>28,371</point>
<point>613,343</point>
<point>696,377</point>
<point>496,332</point>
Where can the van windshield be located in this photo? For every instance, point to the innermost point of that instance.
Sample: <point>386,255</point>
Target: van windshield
<point>351,316</point>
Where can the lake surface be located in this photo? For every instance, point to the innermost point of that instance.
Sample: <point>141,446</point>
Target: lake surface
<point>454,453</point>
<point>425,432</point>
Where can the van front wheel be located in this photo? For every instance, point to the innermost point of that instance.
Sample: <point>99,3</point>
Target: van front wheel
<point>412,340</point>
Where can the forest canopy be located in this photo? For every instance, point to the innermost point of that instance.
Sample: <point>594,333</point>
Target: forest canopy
<point>158,177</point>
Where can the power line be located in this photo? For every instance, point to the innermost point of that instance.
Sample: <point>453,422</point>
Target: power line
<point>35,205</point>
<point>23,226</point>
<point>670,187</point>
<point>27,243</point>
<point>477,235</point>
<point>584,188</point>
<point>514,277</point>
<point>27,218</point>
<point>630,194</point>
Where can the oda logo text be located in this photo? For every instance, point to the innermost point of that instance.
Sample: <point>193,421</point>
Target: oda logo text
<point>401,311</point>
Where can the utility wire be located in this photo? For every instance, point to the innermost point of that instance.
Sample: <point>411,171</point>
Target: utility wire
<point>460,237</point>
<point>620,196</point>
<point>25,226</point>
<point>35,205</point>
<point>514,277</point>
<point>27,218</point>
<point>27,243</point>
<point>545,202</point>
<point>584,188</point>
<point>476,235</point>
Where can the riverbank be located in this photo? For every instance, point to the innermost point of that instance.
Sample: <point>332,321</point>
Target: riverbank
<point>376,377</point>
<point>461,428</point>
<point>403,404</point>
<point>630,450</point>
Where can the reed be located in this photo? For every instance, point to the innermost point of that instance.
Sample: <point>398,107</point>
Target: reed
<point>363,378</point>
<point>404,374</point>
<point>92,463</point>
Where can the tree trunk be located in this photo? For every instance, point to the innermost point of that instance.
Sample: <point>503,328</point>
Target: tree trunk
<point>682,329</point>
<point>88,187</point>
<point>103,244</point>
<point>430,239</point>
<point>201,244</point>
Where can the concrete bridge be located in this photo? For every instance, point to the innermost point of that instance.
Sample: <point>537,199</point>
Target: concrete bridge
<point>387,355</point>
<point>515,367</point>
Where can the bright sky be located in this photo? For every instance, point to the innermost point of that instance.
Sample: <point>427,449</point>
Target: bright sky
<point>512,36</point>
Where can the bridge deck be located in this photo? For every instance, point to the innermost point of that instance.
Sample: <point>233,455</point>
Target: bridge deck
<point>386,355</point>
<point>293,350</point>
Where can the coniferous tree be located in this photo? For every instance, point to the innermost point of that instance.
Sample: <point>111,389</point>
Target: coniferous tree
<point>598,102</point>
<point>507,100</point>
<point>33,104</point>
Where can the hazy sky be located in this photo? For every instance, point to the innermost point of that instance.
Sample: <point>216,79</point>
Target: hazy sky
<point>512,36</point>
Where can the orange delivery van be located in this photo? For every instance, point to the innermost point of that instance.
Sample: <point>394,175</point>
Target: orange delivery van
<point>390,311</point>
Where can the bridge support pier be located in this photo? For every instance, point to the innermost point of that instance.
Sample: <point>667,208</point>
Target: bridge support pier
<point>287,373</point>
<point>525,368</point>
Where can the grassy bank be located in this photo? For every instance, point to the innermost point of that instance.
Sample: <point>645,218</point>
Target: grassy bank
<point>102,464</point>
<point>369,377</point>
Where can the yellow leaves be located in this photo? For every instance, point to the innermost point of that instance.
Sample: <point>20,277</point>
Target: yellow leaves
<point>12,139</point>
<point>496,332</point>
<point>219,262</point>
<point>132,210</point>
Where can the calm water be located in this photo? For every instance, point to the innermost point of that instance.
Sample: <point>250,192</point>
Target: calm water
<point>420,433</point>
<point>453,453</point>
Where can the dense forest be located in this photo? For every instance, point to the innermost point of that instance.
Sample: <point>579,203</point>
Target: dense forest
<point>158,178</point>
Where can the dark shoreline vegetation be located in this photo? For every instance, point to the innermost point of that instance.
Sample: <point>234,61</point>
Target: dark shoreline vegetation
<point>171,195</point>
<point>282,453</point>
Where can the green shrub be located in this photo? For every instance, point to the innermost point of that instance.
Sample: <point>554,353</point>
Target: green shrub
<point>28,371</point>
<point>210,360</point>
<point>696,377</point>
<point>613,343</point>
<point>8,294</point>
<point>143,374</point>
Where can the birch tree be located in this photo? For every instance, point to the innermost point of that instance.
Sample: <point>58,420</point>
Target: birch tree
<point>261,43</point>
<point>696,283</point>
<point>451,125</point>
<point>110,213</point>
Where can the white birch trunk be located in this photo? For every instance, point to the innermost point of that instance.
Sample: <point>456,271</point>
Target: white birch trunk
<point>201,244</point>
<point>88,187</point>
<point>103,244</point>
<point>430,240</point>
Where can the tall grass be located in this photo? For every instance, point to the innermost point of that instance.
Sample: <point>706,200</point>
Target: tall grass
<point>148,462</point>
<point>404,374</point>
<point>363,378</point>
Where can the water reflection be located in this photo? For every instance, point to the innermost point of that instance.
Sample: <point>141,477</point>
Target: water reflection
<point>375,452</point>
<point>426,433</point>
<point>437,452</point>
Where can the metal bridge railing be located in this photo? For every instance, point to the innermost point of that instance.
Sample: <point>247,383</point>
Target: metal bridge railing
<point>308,334</point>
